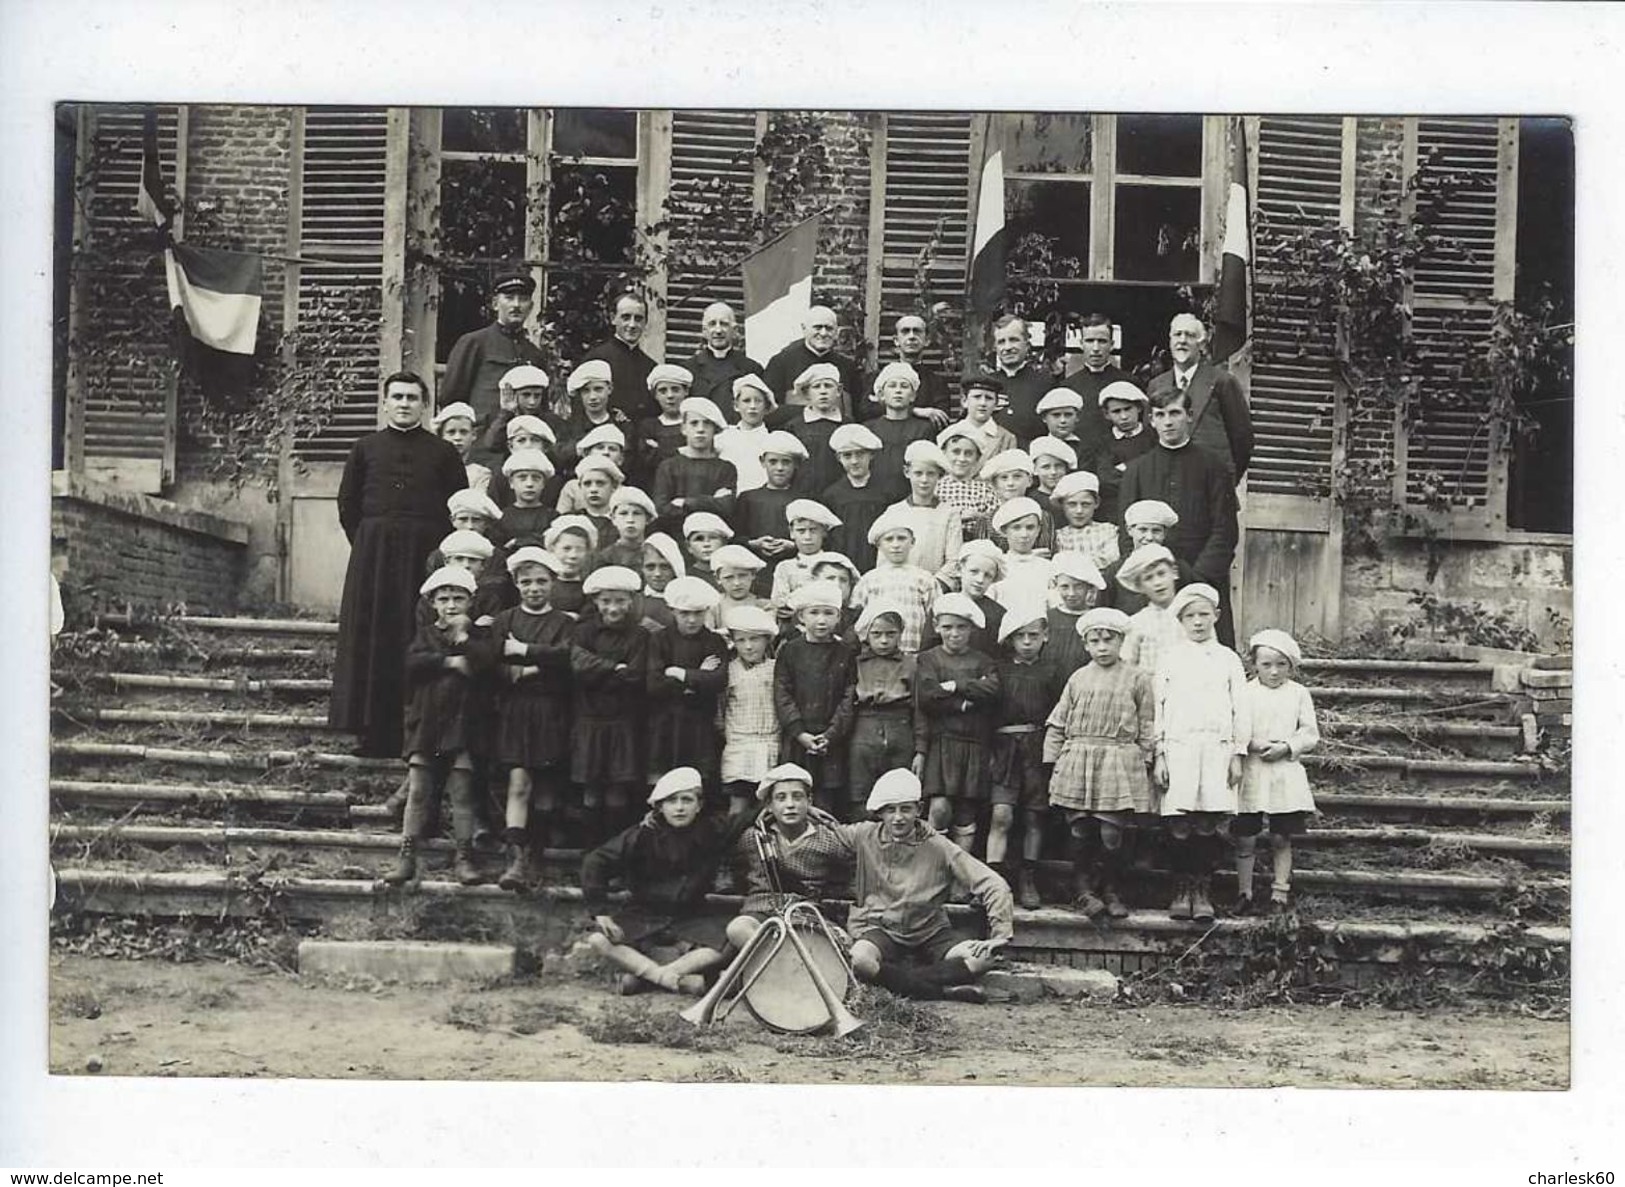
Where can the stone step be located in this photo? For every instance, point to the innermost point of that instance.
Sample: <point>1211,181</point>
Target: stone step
<point>1411,731</point>
<point>1346,765</point>
<point>231,719</point>
<point>422,962</point>
<point>195,796</point>
<point>1431,671</point>
<point>145,649</point>
<point>147,681</point>
<point>246,626</point>
<point>1355,803</point>
<point>242,760</point>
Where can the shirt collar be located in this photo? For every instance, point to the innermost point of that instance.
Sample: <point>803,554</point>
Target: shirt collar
<point>809,414</point>
<point>1122,436</point>
<point>1183,375</point>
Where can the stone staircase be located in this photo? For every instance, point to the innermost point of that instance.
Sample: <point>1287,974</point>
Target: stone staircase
<point>193,775</point>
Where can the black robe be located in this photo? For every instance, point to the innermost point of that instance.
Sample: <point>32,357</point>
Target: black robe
<point>784,368</point>
<point>1094,430</point>
<point>714,377</point>
<point>629,367</point>
<point>478,361</point>
<point>392,506</point>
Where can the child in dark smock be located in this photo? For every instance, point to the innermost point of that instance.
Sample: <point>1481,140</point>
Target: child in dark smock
<point>688,673</point>
<point>1075,585</point>
<point>883,728</point>
<point>441,709</point>
<point>812,690</point>
<point>609,663</point>
<point>572,539</point>
<point>980,566</point>
<point>696,479</point>
<point>630,512</point>
<point>530,647</point>
<point>525,519</point>
<point>956,689</point>
<point>759,513</point>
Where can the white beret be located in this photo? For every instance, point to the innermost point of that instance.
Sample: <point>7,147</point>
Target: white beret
<point>1008,512</point>
<point>601,464</point>
<point>463,542</point>
<point>813,510</point>
<point>531,555</point>
<point>524,375</point>
<point>898,517</point>
<point>897,370</point>
<point>832,558</point>
<point>816,593</point>
<point>1079,482</point>
<point>874,610</point>
<point>925,453</point>
<point>1022,612</point>
<point>670,373</point>
<point>700,406</point>
<point>587,372</point>
<point>631,496</point>
<point>1009,462</point>
<point>605,434</point>
<point>962,428</point>
<point>612,579</point>
<point>1058,398</point>
<point>448,575</point>
<point>1121,389</point>
<point>1277,640</point>
<point>534,425</point>
<point>736,556</point>
<point>456,411</point>
<point>961,606</point>
<point>669,551</point>
<point>1077,566</point>
<point>784,444</point>
<point>568,523</point>
<point>1053,447</point>
<point>854,437</point>
<point>900,786</point>
<point>1196,591</point>
<point>1103,618</point>
<point>818,371</point>
<point>690,593</point>
<point>1152,512</point>
<point>749,620</point>
<point>985,549</point>
<point>673,781</point>
<point>1137,562</point>
<point>706,521</point>
<point>755,383</point>
<point>471,501</point>
<point>785,772</point>
<point>528,459</point>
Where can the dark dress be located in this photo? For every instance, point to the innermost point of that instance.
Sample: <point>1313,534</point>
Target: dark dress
<point>812,694</point>
<point>608,705</point>
<point>986,638</point>
<point>954,730</point>
<point>696,481</point>
<point>479,360</point>
<point>1064,646</point>
<point>533,716</point>
<point>858,507</point>
<point>445,710</point>
<point>683,714</point>
<point>392,506</point>
<point>1027,694</point>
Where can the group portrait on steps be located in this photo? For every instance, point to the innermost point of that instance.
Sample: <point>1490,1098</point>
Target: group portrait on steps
<point>803,633</point>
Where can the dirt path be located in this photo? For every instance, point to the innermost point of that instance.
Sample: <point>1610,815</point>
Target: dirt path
<point>152,1019</point>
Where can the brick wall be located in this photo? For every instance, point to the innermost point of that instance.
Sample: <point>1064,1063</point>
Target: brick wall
<point>125,548</point>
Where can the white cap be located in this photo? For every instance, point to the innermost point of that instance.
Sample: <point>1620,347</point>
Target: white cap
<point>534,425</point>
<point>631,496</point>
<point>669,550</point>
<point>673,781</point>
<point>1103,618</point>
<point>736,556</point>
<point>1121,389</point>
<point>1137,562</point>
<point>1008,512</point>
<point>603,465</point>
<point>476,502</point>
<point>1053,447</point>
<point>813,510</point>
<point>962,428</point>
<point>524,375</point>
<point>785,772</point>
<point>851,436</point>
<point>1277,640</point>
<point>448,575</point>
<point>1196,591</point>
<point>1079,482</point>
<point>1011,461</point>
<point>925,453</point>
<point>531,555</point>
<point>749,620</point>
<point>455,411</point>
<point>527,459</point>
<point>985,549</point>
<point>605,434</point>
<point>873,610</point>
<point>702,407</point>
<point>1057,398</point>
<point>781,442</point>
<point>818,371</point>
<point>1022,612</point>
<point>1077,566</point>
<point>896,370</point>
<point>587,372</point>
<point>816,593</point>
<point>612,579</point>
<point>755,383</point>
<point>897,517</point>
<point>706,521</point>
<point>670,373</point>
<point>1149,512</point>
<point>568,523</point>
<point>833,558</point>
<point>960,605</point>
<point>463,542</point>
<point>900,786</point>
<point>690,593</point>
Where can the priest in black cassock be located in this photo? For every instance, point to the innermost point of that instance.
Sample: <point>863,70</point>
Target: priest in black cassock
<point>480,358</point>
<point>1097,372</point>
<point>719,361</point>
<point>392,506</point>
<point>817,345</point>
<point>933,402</point>
<point>1196,483</point>
<point>1025,380</point>
<point>629,367</point>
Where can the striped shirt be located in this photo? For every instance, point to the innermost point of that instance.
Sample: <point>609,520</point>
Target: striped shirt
<point>910,587</point>
<point>1097,541</point>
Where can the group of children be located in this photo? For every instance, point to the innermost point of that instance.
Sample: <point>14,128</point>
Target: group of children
<point>853,599</point>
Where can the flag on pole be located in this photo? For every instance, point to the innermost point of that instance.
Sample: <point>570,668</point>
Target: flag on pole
<point>1230,318</point>
<point>988,246</point>
<point>778,288</point>
<point>150,199</point>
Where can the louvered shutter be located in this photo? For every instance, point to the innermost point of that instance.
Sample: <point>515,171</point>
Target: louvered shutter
<point>343,168</point>
<point>1454,452</point>
<point>712,164</point>
<point>925,195</point>
<point>128,390</point>
<point>1302,183</point>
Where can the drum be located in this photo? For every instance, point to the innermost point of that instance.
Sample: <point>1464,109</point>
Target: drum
<point>781,993</point>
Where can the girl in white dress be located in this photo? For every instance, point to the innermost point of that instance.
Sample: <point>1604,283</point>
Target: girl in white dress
<point>1281,718</point>
<point>1201,735</point>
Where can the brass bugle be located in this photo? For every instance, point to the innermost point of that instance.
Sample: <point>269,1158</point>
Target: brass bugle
<point>703,1012</point>
<point>845,1021</point>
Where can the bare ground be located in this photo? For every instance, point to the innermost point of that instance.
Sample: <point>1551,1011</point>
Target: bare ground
<point>145,1018</point>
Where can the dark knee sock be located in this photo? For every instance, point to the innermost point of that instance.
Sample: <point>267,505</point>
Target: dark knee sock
<point>460,791</point>
<point>906,981</point>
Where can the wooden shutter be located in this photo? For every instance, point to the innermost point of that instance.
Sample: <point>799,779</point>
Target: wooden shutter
<point>921,193</point>
<point>129,393</point>
<point>1456,452</point>
<point>340,232</point>
<point>712,162</point>
<point>1303,182</point>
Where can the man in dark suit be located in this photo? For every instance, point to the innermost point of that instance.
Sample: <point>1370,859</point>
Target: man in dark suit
<point>1026,379</point>
<point>719,361</point>
<point>480,358</point>
<point>628,365</point>
<point>817,345</point>
<point>1220,419</point>
<point>932,402</point>
<point>1095,346</point>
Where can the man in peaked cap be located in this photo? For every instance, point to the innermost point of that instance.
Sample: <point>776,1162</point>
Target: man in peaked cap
<point>629,366</point>
<point>480,358</point>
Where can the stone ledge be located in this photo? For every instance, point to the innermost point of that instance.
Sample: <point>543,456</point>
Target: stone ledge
<point>406,960</point>
<point>79,489</point>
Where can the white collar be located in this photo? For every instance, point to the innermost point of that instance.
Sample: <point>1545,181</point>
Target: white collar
<point>809,414</point>
<point>1122,436</point>
<point>1183,375</point>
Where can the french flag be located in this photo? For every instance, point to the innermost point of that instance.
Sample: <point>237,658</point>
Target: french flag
<point>778,288</point>
<point>1230,315</point>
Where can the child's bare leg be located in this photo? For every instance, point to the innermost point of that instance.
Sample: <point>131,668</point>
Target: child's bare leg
<point>624,956</point>
<point>516,818</point>
<point>964,827</point>
<point>865,960</point>
<point>419,800</point>
<point>1181,862</point>
<point>675,975</point>
<point>520,786</point>
<point>741,928</point>
<point>998,833</point>
<point>1246,859</point>
<point>1281,887</point>
<point>941,813</point>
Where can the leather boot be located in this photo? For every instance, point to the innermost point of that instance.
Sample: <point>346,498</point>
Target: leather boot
<point>1027,889</point>
<point>1201,905</point>
<point>406,864</point>
<point>517,875</point>
<point>462,865</point>
<point>1111,867</point>
<point>1180,908</point>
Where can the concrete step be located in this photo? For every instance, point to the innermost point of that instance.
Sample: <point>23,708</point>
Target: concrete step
<point>245,626</point>
<point>205,797</point>
<point>161,682</point>
<point>80,749</point>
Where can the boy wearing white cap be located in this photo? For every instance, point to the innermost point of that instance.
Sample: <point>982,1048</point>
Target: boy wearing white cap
<point>591,387</point>
<point>734,570</point>
<point>662,564</point>
<point>906,870</point>
<point>688,671</point>
<point>938,528</point>
<point>812,690</point>
<point>631,514</point>
<point>1145,521</point>
<point>883,698</point>
<point>1075,587</point>
<point>473,511</point>
<point>809,522</point>
<point>1124,407</point>
<point>526,517</point>
<point>695,479</point>
<point>955,691</point>
<point>523,392</point>
<point>743,441</point>
<point>811,414</point>
<point>896,580</point>
<point>454,424</point>
<point>572,539</point>
<point>661,436</point>
<point>703,534</point>
<point>897,426</point>
<point>667,861</point>
<point>1078,498</point>
<point>1019,523</point>
<point>960,488</point>
<point>1151,572</point>
<point>858,497</point>
<point>609,660</point>
<point>1060,410</point>
<point>443,709</point>
<point>750,727</point>
<point>759,512</point>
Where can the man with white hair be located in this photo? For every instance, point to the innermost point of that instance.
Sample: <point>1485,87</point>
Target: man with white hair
<point>1221,422</point>
<point>817,345</point>
<point>629,367</point>
<point>719,360</point>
